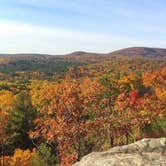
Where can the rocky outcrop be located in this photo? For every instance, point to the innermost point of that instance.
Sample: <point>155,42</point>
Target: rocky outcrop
<point>147,152</point>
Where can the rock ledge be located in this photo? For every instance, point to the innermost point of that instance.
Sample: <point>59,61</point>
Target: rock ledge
<point>146,152</point>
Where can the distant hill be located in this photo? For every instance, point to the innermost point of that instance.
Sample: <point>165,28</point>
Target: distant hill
<point>10,63</point>
<point>141,51</point>
<point>129,52</point>
<point>92,57</point>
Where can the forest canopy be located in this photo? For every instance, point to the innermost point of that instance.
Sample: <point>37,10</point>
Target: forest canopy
<point>55,112</point>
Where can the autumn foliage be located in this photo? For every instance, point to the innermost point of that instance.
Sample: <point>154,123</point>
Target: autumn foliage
<point>90,109</point>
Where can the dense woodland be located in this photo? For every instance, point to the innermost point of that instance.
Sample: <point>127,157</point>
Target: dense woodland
<point>53,112</point>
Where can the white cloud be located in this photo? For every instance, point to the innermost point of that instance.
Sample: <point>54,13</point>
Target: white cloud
<point>16,37</point>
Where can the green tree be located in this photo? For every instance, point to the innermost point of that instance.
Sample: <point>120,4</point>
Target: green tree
<point>21,121</point>
<point>43,157</point>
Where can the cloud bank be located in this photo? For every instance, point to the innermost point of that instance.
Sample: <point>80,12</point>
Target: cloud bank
<point>18,37</point>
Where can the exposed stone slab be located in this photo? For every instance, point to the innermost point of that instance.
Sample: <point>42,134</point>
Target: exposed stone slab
<point>146,152</point>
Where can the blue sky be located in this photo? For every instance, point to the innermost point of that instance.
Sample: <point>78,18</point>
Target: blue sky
<point>63,26</point>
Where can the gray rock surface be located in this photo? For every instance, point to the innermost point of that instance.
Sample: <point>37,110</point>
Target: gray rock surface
<point>147,152</point>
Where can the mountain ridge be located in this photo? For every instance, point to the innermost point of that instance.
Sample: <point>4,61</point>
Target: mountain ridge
<point>89,57</point>
<point>130,51</point>
<point>141,51</point>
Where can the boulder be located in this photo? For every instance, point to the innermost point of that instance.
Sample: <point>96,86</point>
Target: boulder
<point>146,152</point>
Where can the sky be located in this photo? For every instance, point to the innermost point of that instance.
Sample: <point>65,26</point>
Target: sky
<point>64,26</point>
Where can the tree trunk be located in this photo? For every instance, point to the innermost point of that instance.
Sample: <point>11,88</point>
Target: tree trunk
<point>127,138</point>
<point>2,153</point>
<point>112,141</point>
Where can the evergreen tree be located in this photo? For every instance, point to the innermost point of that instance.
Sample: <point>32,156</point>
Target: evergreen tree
<point>21,121</point>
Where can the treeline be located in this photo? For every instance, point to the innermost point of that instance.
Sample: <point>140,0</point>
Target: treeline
<point>56,123</point>
<point>37,68</point>
<point>45,66</point>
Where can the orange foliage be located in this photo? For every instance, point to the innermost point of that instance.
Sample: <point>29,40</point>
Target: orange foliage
<point>128,108</point>
<point>65,110</point>
<point>6,103</point>
<point>20,158</point>
<point>157,81</point>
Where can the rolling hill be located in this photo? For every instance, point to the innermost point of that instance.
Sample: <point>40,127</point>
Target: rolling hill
<point>91,57</point>
<point>11,63</point>
<point>142,51</point>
